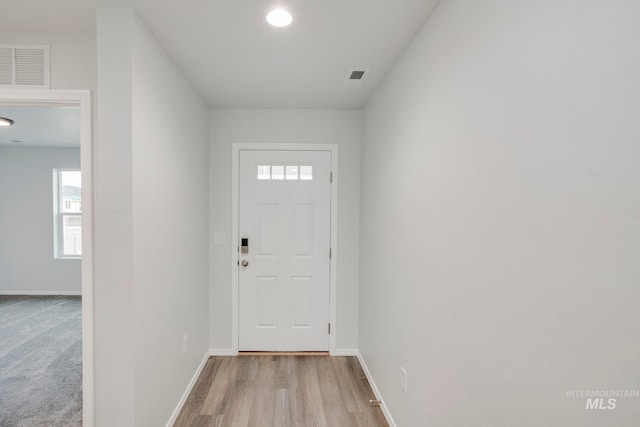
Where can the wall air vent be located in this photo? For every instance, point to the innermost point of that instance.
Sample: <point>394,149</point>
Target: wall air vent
<point>355,77</point>
<point>24,66</point>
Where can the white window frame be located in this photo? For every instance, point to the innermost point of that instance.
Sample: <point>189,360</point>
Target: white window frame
<point>59,215</point>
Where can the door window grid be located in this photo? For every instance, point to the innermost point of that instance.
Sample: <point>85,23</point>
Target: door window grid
<point>285,173</point>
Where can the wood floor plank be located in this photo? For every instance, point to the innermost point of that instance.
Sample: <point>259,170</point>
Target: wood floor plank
<point>281,410</point>
<point>242,415</point>
<point>352,402</point>
<point>281,391</point>
<point>263,408</point>
<point>336,412</point>
<point>313,408</point>
<point>240,398</point>
<point>220,388</point>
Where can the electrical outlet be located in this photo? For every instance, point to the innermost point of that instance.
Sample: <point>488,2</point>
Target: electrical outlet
<point>403,379</point>
<point>185,344</point>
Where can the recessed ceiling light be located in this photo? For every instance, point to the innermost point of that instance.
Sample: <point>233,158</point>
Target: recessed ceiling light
<point>279,18</point>
<point>5,122</point>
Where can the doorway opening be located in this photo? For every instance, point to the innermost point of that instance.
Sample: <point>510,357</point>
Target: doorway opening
<point>51,147</point>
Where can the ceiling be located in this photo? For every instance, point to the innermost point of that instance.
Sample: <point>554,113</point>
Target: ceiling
<point>75,16</point>
<point>235,59</point>
<point>41,126</point>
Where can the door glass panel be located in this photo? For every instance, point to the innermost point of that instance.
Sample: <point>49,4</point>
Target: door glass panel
<point>277,172</point>
<point>306,173</point>
<point>292,172</point>
<point>264,172</point>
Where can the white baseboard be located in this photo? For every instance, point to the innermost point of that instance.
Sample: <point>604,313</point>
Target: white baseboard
<point>345,352</point>
<point>374,387</point>
<point>40,293</point>
<point>185,395</point>
<point>222,352</point>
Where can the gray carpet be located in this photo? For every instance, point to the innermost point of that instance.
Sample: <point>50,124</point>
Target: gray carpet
<point>40,361</point>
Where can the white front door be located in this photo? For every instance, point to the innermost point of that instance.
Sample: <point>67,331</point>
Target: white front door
<point>284,262</point>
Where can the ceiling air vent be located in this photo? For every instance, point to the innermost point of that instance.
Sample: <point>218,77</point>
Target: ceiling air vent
<point>24,66</point>
<point>355,77</point>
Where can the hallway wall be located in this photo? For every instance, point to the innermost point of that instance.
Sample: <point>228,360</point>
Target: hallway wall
<point>151,227</point>
<point>500,225</point>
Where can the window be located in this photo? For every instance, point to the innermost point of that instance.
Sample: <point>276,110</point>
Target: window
<point>292,172</point>
<point>277,172</point>
<point>264,172</point>
<point>67,208</point>
<point>306,173</point>
<point>289,172</point>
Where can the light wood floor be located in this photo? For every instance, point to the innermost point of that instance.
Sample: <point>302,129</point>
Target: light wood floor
<point>281,391</point>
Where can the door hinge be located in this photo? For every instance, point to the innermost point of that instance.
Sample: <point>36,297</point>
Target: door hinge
<point>330,253</point>
<point>331,177</point>
<point>329,328</point>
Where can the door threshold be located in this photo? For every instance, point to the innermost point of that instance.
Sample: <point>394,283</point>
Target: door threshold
<point>283,353</point>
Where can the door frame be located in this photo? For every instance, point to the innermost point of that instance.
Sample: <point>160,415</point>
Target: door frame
<point>81,98</point>
<point>235,239</point>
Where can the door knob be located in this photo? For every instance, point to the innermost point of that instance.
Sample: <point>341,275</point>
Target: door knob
<point>245,263</point>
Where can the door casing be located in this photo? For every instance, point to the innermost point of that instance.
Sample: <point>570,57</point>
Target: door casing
<point>235,211</point>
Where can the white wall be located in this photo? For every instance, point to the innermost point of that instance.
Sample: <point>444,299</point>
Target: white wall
<point>152,226</point>
<point>73,56</point>
<point>113,223</point>
<point>27,264</point>
<point>170,229</point>
<point>501,216</point>
<point>286,126</point>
